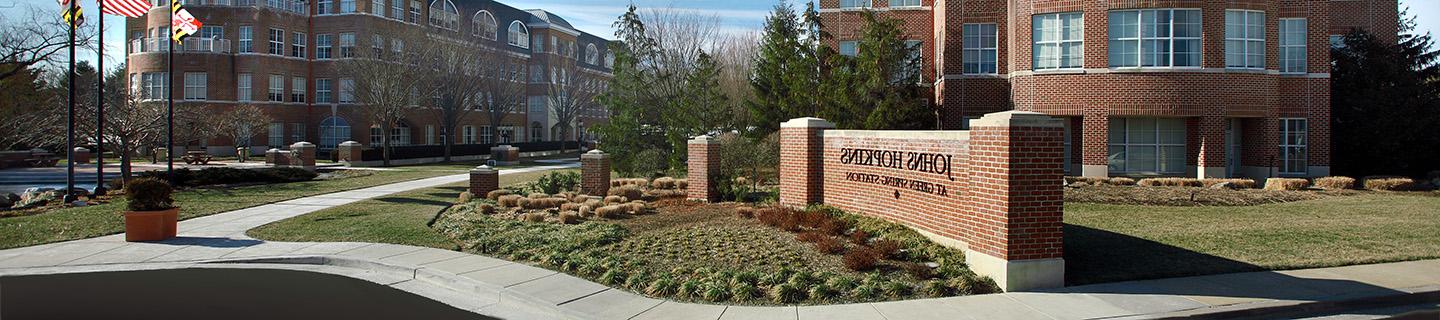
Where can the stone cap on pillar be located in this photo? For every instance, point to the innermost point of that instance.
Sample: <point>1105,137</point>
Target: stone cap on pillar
<point>808,122</point>
<point>503,147</point>
<point>1017,119</point>
<point>273,150</point>
<point>302,144</point>
<point>81,149</point>
<point>351,143</point>
<point>594,154</point>
<point>703,139</point>
<point>483,169</point>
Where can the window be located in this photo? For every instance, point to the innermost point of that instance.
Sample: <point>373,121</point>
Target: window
<point>429,134</point>
<point>539,43</point>
<point>277,42</point>
<point>397,9</point>
<point>242,87</point>
<point>1245,39</point>
<point>444,15</point>
<point>467,135</point>
<point>277,88</point>
<point>904,3</point>
<point>980,55</point>
<point>1059,41</point>
<point>1293,146</point>
<point>347,6</point>
<point>195,85</point>
<point>415,11</point>
<point>572,52</point>
<point>537,74</point>
<point>156,84</point>
<point>347,90</point>
<point>1337,41</point>
<point>485,26</point>
<point>297,132</point>
<point>323,91</point>
<point>377,8</point>
<point>377,44</point>
<point>276,134</point>
<point>1292,46</point>
<point>847,4</point>
<point>537,132</point>
<point>333,131</point>
<point>592,56</point>
<point>247,33</point>
<point>347,45</point>
<point>297,45</point>
<point>554,44</point>
<point>1147,145</point>
<point>610,60</point>
<point>850,48</point>
<point>322,7</point>
<point>1155,38</point>
<point>506,134</point>
<point>915,63</point>
<point>400,135</point>
<point>487,135</point>
<point>297,89</point>
<point>323,43</point>
<point>518,35</point>
<point>212,32</point>
<point>376,137</point>
<point>398,46</point>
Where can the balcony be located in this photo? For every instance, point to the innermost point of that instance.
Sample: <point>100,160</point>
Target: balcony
<point>193,44</point>
<point>291,6</point>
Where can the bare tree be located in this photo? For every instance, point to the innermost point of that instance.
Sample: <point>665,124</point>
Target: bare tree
<point>385,84</point>
<point>735,56</point>
<point>240,125</point>
<point>572,89</point>
<point>36,39</point>
<point>457,83</point>
<point>502,82</point>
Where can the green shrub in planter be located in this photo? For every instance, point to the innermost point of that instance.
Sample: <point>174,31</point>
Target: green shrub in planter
<point>148,194</point>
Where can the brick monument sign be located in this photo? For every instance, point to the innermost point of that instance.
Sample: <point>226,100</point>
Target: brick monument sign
<point>994,191</point>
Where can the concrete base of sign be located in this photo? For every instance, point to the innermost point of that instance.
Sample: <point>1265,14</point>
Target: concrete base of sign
<point>1210,172</point>
<point>1319,171</point>
<point>1258,173</point>
<point>1018,275</point>
<point>1095,170</point>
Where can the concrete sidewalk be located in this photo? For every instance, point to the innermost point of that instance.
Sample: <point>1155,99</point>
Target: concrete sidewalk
<point>512,290</point>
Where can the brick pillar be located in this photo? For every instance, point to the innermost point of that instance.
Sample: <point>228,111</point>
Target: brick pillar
<point>1260,147</point>
<point>505,155</point>
<point>1015,169</point>
<point>1209,135</point>
<point>703,166</point>
<point>276,157</point>
<point>350,151</point>
<point>595,173</point>
<point>82,155</point>
<point>303,154</point>
<point>802,152</point>
<point>484,179</point>
<point>1095,142</point>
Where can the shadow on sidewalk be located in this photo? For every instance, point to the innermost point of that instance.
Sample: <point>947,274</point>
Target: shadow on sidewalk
<point>213,242</point>
<point>1096,259</point>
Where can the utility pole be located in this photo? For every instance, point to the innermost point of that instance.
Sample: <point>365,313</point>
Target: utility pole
<point>100,108</point>
<point>70,113</point>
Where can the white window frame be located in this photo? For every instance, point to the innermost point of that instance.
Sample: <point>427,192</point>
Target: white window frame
<point>297,132</point>
<point>1159,146</point>
<point>247,35</point>
<point>275,135</point>
<point>445,16</point>
<point>487,135</point>
<point>347,6</point>
<point>467,135</point>
<point>429,134</point>
<point>377,8</point>
<point>324,90</point>
<point>1247,40</point>
<point>157,85</point>
<point>347,90</point>
<point>195,85</point>
<point>1293,41</point>
<point>1060,42</point>
<point>856,4</point>
<point>322,7</point>
<point>347,45</point>
<point>276,90</point>
<point>297,44</point>
<point>243,89</point>
<point>592,55</point>
<point>1294,138</point>
<point>1139,39</point>
<point>852,46</point>
<point>297,90</point>
<point>276,42</point>
<point>397,10</point>
<point>518,31</point>
<point>324,46</point>
<point>904,3</point>
<point>485,25</point>
<point>975,47</point>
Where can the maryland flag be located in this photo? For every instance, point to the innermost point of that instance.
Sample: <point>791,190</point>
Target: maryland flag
<point>184,23</point>
<point>73,14</point>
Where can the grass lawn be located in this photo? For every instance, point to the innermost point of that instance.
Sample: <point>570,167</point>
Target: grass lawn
<point>1105,242</point>
<point>399,219</point>
<point>98,220</point>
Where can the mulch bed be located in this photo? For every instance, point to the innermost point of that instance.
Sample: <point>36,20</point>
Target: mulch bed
<point>1190,196</point>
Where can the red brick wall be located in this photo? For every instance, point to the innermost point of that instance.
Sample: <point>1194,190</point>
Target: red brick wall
<point>998,189</point>
<point>482,181</point>
<point>702,166</point>
<point>594,173</point>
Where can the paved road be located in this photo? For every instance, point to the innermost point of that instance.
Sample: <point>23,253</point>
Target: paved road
<point>512,290</point>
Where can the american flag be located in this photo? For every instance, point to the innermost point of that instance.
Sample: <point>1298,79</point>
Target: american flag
<point>128,8</point>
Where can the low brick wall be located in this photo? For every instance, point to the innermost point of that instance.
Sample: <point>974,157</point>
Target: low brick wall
<point>994,191</point>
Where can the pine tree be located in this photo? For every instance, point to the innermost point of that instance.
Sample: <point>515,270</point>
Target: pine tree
<point>779,71</point>
<point>879,88</point>
<point>1385,104</point>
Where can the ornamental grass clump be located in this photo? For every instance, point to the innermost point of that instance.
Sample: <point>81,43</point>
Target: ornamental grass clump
<point>1170,182</point>
<point>629,192</point>
<point>509,200</point>
<point>148,194</point>
<point>465,197</point>
<point>496,194</point>
<point>1286,184</point>
<point>663,183</point>
<point>1234,183</point>
<point>1121,181</point>
<point>863,259</point>
<point>1389,183</point>
<point>485,209</point>
<point>830,245</point>
<point>1335,183</point>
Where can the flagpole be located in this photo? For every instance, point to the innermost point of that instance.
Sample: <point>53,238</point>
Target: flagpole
<point>70,112</point>
<point>100,107</point>
<point>170,100</point>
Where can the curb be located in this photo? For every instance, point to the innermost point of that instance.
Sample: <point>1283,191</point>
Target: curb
<point>1295,309</point>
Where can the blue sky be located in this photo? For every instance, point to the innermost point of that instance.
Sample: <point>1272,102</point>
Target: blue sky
<point>595,16</point>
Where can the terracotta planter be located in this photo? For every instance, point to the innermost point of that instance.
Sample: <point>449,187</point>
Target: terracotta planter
<point>150,225</point>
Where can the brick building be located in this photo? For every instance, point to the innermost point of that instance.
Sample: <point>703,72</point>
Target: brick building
<point>281,56</point>
<point>1207,88</point>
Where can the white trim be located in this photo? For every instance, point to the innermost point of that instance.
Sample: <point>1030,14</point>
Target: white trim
<point>860,9</point>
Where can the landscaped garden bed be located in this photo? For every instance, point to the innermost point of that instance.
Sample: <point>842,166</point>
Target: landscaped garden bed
<point>650,241</point>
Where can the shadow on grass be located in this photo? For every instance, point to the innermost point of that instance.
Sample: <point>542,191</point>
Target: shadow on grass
<point>1096,260</point>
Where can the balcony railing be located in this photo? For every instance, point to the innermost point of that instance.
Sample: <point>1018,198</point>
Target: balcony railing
<point>193,44</point>
<point>291,6</point>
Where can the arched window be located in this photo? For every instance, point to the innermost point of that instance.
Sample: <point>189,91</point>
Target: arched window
<point>610,60</point>
<point>591,55</point>
<point>537,132</point>
<point>444,15</point>
<point>519,35</point>
<point>485,26</point>
<point>333,131</point>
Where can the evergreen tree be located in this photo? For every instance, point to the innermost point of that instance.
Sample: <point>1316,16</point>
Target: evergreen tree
<point>780,72</point>
<point>1385,104</point>
<point>879,87</point>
